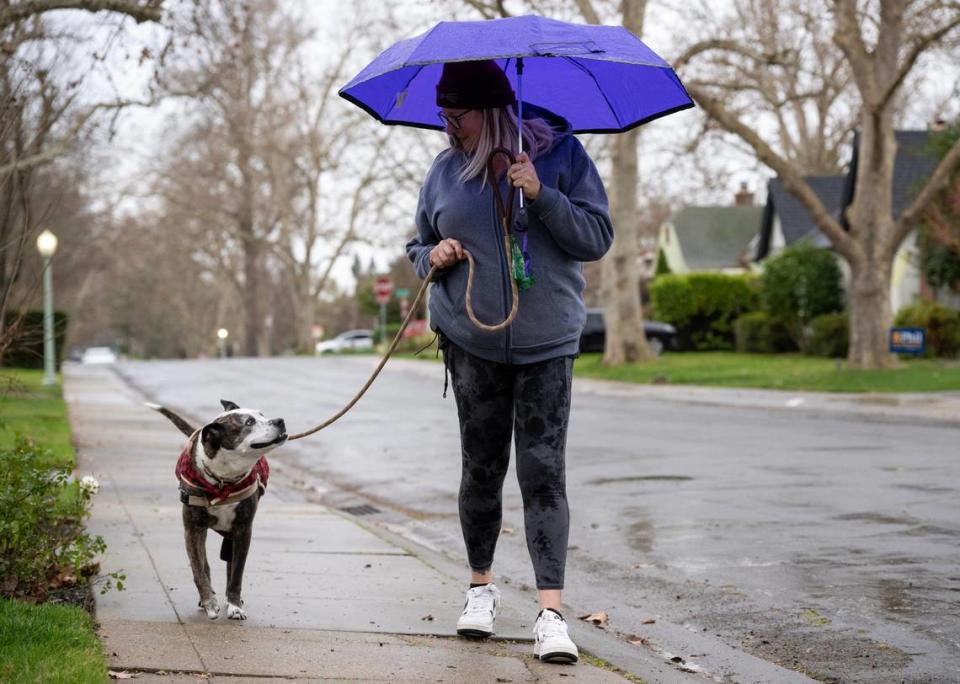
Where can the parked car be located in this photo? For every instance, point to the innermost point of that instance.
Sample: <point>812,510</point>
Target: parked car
<point>660,336</point>
<point>351,340</point>
<point>98,355</point>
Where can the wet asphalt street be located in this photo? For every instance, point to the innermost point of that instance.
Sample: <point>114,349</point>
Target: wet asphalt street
<point>824,543</point>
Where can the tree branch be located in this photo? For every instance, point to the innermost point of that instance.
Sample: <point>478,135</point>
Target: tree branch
<point>939,180</point>
<point>848,38</point>
<point>792,180</point>
<point>151,10</point>
<point>921,45</point>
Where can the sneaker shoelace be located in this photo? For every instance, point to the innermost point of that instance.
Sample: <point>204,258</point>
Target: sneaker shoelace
<point>480,603</point>
<point>552,626</point>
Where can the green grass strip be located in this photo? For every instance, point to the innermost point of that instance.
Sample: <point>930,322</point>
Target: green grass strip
<point>776,371</point>
<point>37,412</point>
<point>48,643</point>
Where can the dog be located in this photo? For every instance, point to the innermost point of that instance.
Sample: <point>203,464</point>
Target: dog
<point>223,473</point>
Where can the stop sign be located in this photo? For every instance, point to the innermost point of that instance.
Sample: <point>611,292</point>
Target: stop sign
<point>382,289</point>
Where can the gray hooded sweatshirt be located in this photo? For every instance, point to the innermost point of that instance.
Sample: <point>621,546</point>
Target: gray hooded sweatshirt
<point>568,224</point>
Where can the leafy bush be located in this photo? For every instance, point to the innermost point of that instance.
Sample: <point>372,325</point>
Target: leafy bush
<point>940,264</point>
<point>43,544</point>
<point>828,335</point>
<point>942,325</point>
<point>758,331</point>
<point>703,306</point>
<point>26,346</point>
<point>799,284</point>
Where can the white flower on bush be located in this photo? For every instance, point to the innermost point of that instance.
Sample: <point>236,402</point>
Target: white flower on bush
<point>89,485</point>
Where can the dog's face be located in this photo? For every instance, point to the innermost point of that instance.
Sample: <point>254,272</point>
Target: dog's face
<point>243,434</point>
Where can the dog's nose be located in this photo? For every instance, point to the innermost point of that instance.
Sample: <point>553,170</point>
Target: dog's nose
<point>279,423</point>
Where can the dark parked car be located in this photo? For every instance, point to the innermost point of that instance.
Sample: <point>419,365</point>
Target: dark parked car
<point>660,336</point>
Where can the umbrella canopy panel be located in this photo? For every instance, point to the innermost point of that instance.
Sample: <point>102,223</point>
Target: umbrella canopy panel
<point>600,78</point>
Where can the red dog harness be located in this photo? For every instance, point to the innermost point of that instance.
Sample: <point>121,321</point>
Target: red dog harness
<point>199,491</point>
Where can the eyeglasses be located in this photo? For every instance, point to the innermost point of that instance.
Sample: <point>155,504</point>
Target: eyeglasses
<point>453,119</point>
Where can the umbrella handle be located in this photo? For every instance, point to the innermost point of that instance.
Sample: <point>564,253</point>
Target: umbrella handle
<point>505,213</point>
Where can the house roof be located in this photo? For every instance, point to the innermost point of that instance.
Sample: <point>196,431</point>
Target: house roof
<point>913,164</point>
<point>795,220</point>
<point>715,237</point>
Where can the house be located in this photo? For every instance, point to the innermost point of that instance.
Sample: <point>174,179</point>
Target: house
<point>786,221</point>
<point>713,238</point>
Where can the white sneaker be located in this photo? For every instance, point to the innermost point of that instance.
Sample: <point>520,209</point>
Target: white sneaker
<point>479,611</point>
<point>551,642</point>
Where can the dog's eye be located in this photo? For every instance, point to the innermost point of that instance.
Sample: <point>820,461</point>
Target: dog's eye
<point>250,421</point>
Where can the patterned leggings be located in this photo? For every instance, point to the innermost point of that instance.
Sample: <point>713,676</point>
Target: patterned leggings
<point>532,403</point>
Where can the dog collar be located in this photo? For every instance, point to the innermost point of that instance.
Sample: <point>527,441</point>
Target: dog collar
<point>194,484</point>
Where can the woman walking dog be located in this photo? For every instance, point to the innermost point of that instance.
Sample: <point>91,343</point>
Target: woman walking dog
<point>514,382</point>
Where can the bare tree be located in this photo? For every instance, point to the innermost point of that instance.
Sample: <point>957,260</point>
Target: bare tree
<point>219,179</point>
<point>41,119</point>
<point>881,43</point>
<point>335,180</point>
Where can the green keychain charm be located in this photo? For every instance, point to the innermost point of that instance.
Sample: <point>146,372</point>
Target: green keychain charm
<point>521,269</point>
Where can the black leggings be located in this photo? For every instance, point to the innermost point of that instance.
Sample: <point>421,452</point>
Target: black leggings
<point>532,402</point>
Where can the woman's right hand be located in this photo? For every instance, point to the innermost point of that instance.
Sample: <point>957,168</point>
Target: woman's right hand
<point>447,253</point>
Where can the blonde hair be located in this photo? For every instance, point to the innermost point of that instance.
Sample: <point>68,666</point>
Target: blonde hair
<point>499,129</point>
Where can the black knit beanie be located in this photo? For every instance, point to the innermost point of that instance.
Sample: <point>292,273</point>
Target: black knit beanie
<point>474,85</point>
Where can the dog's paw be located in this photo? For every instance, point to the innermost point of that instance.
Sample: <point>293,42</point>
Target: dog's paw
<point>235,612</point>
<point>211,607</point>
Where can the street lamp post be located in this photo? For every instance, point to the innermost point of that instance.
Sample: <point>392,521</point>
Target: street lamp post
<point>222,335</point>
<point>47,245</point>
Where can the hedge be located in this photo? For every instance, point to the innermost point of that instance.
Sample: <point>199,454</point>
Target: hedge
<point>828,335</point>
<point>703,306</point>
<point>759,332</point>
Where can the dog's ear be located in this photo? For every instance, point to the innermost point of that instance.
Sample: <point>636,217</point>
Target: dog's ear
<point>228,405</point>
<point>212,437</point>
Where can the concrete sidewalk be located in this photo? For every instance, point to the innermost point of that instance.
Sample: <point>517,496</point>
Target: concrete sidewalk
<point>327,597</point>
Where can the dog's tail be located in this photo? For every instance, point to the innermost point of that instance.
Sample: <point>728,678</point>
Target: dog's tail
<point>181,424</point>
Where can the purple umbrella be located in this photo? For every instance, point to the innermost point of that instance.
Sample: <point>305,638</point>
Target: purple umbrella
<point>601,79</point>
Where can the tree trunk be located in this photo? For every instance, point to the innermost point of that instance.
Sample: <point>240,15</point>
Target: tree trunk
<point>306,315</point>
<point>253,316</point>
<point>623,317</point>
<point>870,217</point>
<point>870,315</point>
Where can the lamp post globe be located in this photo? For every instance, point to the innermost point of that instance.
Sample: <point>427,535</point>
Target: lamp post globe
<point>47,246</point>
<point>222,335</point>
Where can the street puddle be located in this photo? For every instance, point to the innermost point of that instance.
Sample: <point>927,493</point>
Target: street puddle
<point>893,596</point>
<point>640,536</point>
<point>879,518</point>
<point>640,478</point>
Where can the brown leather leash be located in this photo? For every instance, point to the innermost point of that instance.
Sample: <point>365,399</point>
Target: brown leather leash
<point>505,212</point>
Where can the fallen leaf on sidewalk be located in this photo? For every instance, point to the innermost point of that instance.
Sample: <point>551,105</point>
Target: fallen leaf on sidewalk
<point>506,530</point>
<point>120,675</point>
<point>597,619</point>
<point>637,641</point>
<point>428,617</point>
<point>649,621</point>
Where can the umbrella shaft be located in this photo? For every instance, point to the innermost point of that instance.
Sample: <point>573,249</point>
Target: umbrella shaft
<point>520,112</point>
